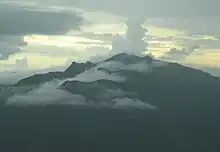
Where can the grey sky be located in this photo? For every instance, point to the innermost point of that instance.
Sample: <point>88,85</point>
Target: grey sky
<point>17,21</point>
<point>175,54</point>
<point>150,8</point>
<point>21,20</point>
<point>10,45</point>
<point>195,20</point>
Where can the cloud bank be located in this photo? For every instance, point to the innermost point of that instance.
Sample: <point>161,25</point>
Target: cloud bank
<point>49,94</point>
<point>16,21</point>
<point>23,20</point>
<point>46,94</point>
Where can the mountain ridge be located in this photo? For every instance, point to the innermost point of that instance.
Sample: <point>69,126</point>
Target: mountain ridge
<point>163,84</point>
<point>179,111</point>
<point>71,71</point>
<point>77,68</point>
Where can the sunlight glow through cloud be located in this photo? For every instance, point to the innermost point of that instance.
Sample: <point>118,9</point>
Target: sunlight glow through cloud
<point>59,41</point>
<point>161,40</point>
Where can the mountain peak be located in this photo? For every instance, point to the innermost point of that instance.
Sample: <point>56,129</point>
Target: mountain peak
<point>77,68</point>
<point>129,58</point>
<point>124,55</point>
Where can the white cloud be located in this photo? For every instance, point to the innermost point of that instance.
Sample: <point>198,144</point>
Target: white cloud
<point>131,103</point>
<point>46,94</point>
<point>117,66</point>
<point>12,77</point>
<point>94,74</point>
<point>49,94</point>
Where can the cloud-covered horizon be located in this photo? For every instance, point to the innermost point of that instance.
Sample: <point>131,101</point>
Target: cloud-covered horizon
<point>50,29</point>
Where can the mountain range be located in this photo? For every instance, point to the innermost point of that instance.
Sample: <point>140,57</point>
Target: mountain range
<point>180,108</point>
<point>133,78</point>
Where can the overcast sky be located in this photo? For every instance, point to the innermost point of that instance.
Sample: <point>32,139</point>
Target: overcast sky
<point>46,33</point>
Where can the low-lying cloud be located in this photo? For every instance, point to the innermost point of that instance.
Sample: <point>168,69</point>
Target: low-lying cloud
<point>94,74</point>
<point>128,102</point>
<point>49,94</point>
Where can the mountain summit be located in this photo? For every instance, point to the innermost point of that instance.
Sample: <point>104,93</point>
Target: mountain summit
<point>129,58</point>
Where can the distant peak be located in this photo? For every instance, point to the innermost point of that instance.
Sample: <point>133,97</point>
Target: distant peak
<point>129,58</point>
<point>122,56</point>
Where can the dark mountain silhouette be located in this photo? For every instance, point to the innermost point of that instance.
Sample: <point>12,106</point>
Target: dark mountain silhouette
<point>128,58</point>
<point>169,86</point>
<point>186,118</point>
<point>164,85</point>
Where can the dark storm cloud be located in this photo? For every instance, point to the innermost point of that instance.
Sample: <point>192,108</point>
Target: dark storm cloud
<point>22,20</point>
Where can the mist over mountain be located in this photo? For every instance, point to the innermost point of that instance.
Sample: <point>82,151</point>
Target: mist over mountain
<point>124,103</point>
<point>123,76</point>
<point>128,101</point>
